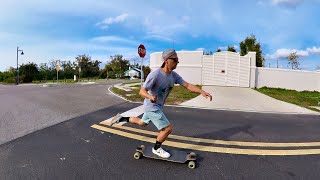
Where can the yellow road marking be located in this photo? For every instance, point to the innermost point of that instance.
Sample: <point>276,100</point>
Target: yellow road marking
<point>221,142</point>
<point>211,148</point>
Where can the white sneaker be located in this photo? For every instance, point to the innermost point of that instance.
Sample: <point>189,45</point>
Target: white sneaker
<point>115,119</point>
<point>161,152</point>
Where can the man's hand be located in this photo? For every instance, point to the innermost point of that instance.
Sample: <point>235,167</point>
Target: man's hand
<point>195,89</point>
<point>153,99</point>
<point>206,95</point>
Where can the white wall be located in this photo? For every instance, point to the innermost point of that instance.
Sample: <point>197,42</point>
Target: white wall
<point>253,68</point>
<point>288,79</point>
<point>189,67</point>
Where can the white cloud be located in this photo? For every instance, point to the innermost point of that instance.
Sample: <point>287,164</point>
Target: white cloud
<point>111,20</point>
<point>158,28</point>
<point>159,37</point>
<point>200,49</point>
<point>104,39</point>
<point>287,3</point>
<point>283,53</point>
<point>261,3</point>
<point>314,50</point>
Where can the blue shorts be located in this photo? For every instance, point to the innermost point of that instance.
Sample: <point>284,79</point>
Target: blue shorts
<point>157,117</point>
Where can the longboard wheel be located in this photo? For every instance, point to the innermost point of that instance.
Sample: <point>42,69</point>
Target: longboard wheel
<point>137,155</point>
<point>192,155</point>
<point>191,165</point>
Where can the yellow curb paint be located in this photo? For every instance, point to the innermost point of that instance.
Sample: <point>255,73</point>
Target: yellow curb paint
<point>262,152</point>
<point>221,142</point>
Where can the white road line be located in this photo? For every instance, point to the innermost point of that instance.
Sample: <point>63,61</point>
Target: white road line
<point>109,89</point>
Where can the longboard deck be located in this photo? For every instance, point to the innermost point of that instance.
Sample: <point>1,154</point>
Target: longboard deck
<point>176,155</point>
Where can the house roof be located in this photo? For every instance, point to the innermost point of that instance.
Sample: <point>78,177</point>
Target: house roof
<point>133,69</point>
<point>137,69</point>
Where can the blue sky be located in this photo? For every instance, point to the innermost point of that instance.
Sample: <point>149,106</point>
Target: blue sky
<point>62,29</point>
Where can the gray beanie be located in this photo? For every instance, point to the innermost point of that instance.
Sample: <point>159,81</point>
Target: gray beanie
<point>168,53</point>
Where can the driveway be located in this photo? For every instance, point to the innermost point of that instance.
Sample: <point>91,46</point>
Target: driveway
<point>244,99</point>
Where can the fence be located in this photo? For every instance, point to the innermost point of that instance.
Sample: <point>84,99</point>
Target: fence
<point>288,79</point>
<point>195,68</point>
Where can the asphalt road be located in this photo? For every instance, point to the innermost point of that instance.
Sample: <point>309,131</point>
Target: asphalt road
<point>28,108</point>
<point>73,149</point>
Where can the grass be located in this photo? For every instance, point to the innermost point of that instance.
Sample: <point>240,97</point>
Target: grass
<point>69,81</point>
<point>133,81</point>
<point>178,94</point>
<point>304,99</point>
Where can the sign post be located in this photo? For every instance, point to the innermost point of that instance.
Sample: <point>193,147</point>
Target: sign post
<point>58,68</point>
<point>79,73</point>
<point>142,53</point>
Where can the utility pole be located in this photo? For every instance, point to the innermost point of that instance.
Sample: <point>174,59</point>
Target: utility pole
<point>18,63</point>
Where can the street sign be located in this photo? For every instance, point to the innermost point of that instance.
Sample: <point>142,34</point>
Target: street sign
<point>141,51</point>
<point>57,67</point>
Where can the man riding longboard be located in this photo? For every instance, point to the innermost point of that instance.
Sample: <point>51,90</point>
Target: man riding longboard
<point>155,90</point>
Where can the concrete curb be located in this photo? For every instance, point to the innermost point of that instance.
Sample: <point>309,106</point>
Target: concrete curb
<point>210,108</point>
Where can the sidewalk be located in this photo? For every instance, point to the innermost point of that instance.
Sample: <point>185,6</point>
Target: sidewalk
<point>244,99</point>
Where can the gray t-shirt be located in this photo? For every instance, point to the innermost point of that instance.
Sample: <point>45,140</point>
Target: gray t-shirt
<point>160,84</point>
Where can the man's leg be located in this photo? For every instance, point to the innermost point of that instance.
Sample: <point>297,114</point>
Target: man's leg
<point>164,133</point>
<point>162,136</point>
<point>135,120</point>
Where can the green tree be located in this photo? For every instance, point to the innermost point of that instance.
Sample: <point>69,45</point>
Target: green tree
<point>68,69</point>
<point>250,44</point>
<point>231,48</point>
<point>29,72</point>
<point>293,60</point>
<point>208,53</point>
<point>118,65</point>
<point>218,50</point>
<point>8,76</point>
<point>104,73</point>
<point>146,70</point>
<point>52,69</point>
<point>1,76</point>
<point>88,67</point>
<point>44,72</point>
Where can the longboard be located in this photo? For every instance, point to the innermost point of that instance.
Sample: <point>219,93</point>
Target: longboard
<point>176,156</point>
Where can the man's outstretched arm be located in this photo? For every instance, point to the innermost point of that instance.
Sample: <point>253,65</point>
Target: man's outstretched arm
<point>195,89</point>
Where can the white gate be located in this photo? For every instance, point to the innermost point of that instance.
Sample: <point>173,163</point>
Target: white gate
<point>226,69</point>
<point>207,70</point>
<point>219,69</point>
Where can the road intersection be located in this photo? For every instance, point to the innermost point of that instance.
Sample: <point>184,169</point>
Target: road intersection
<point>229,144</point>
